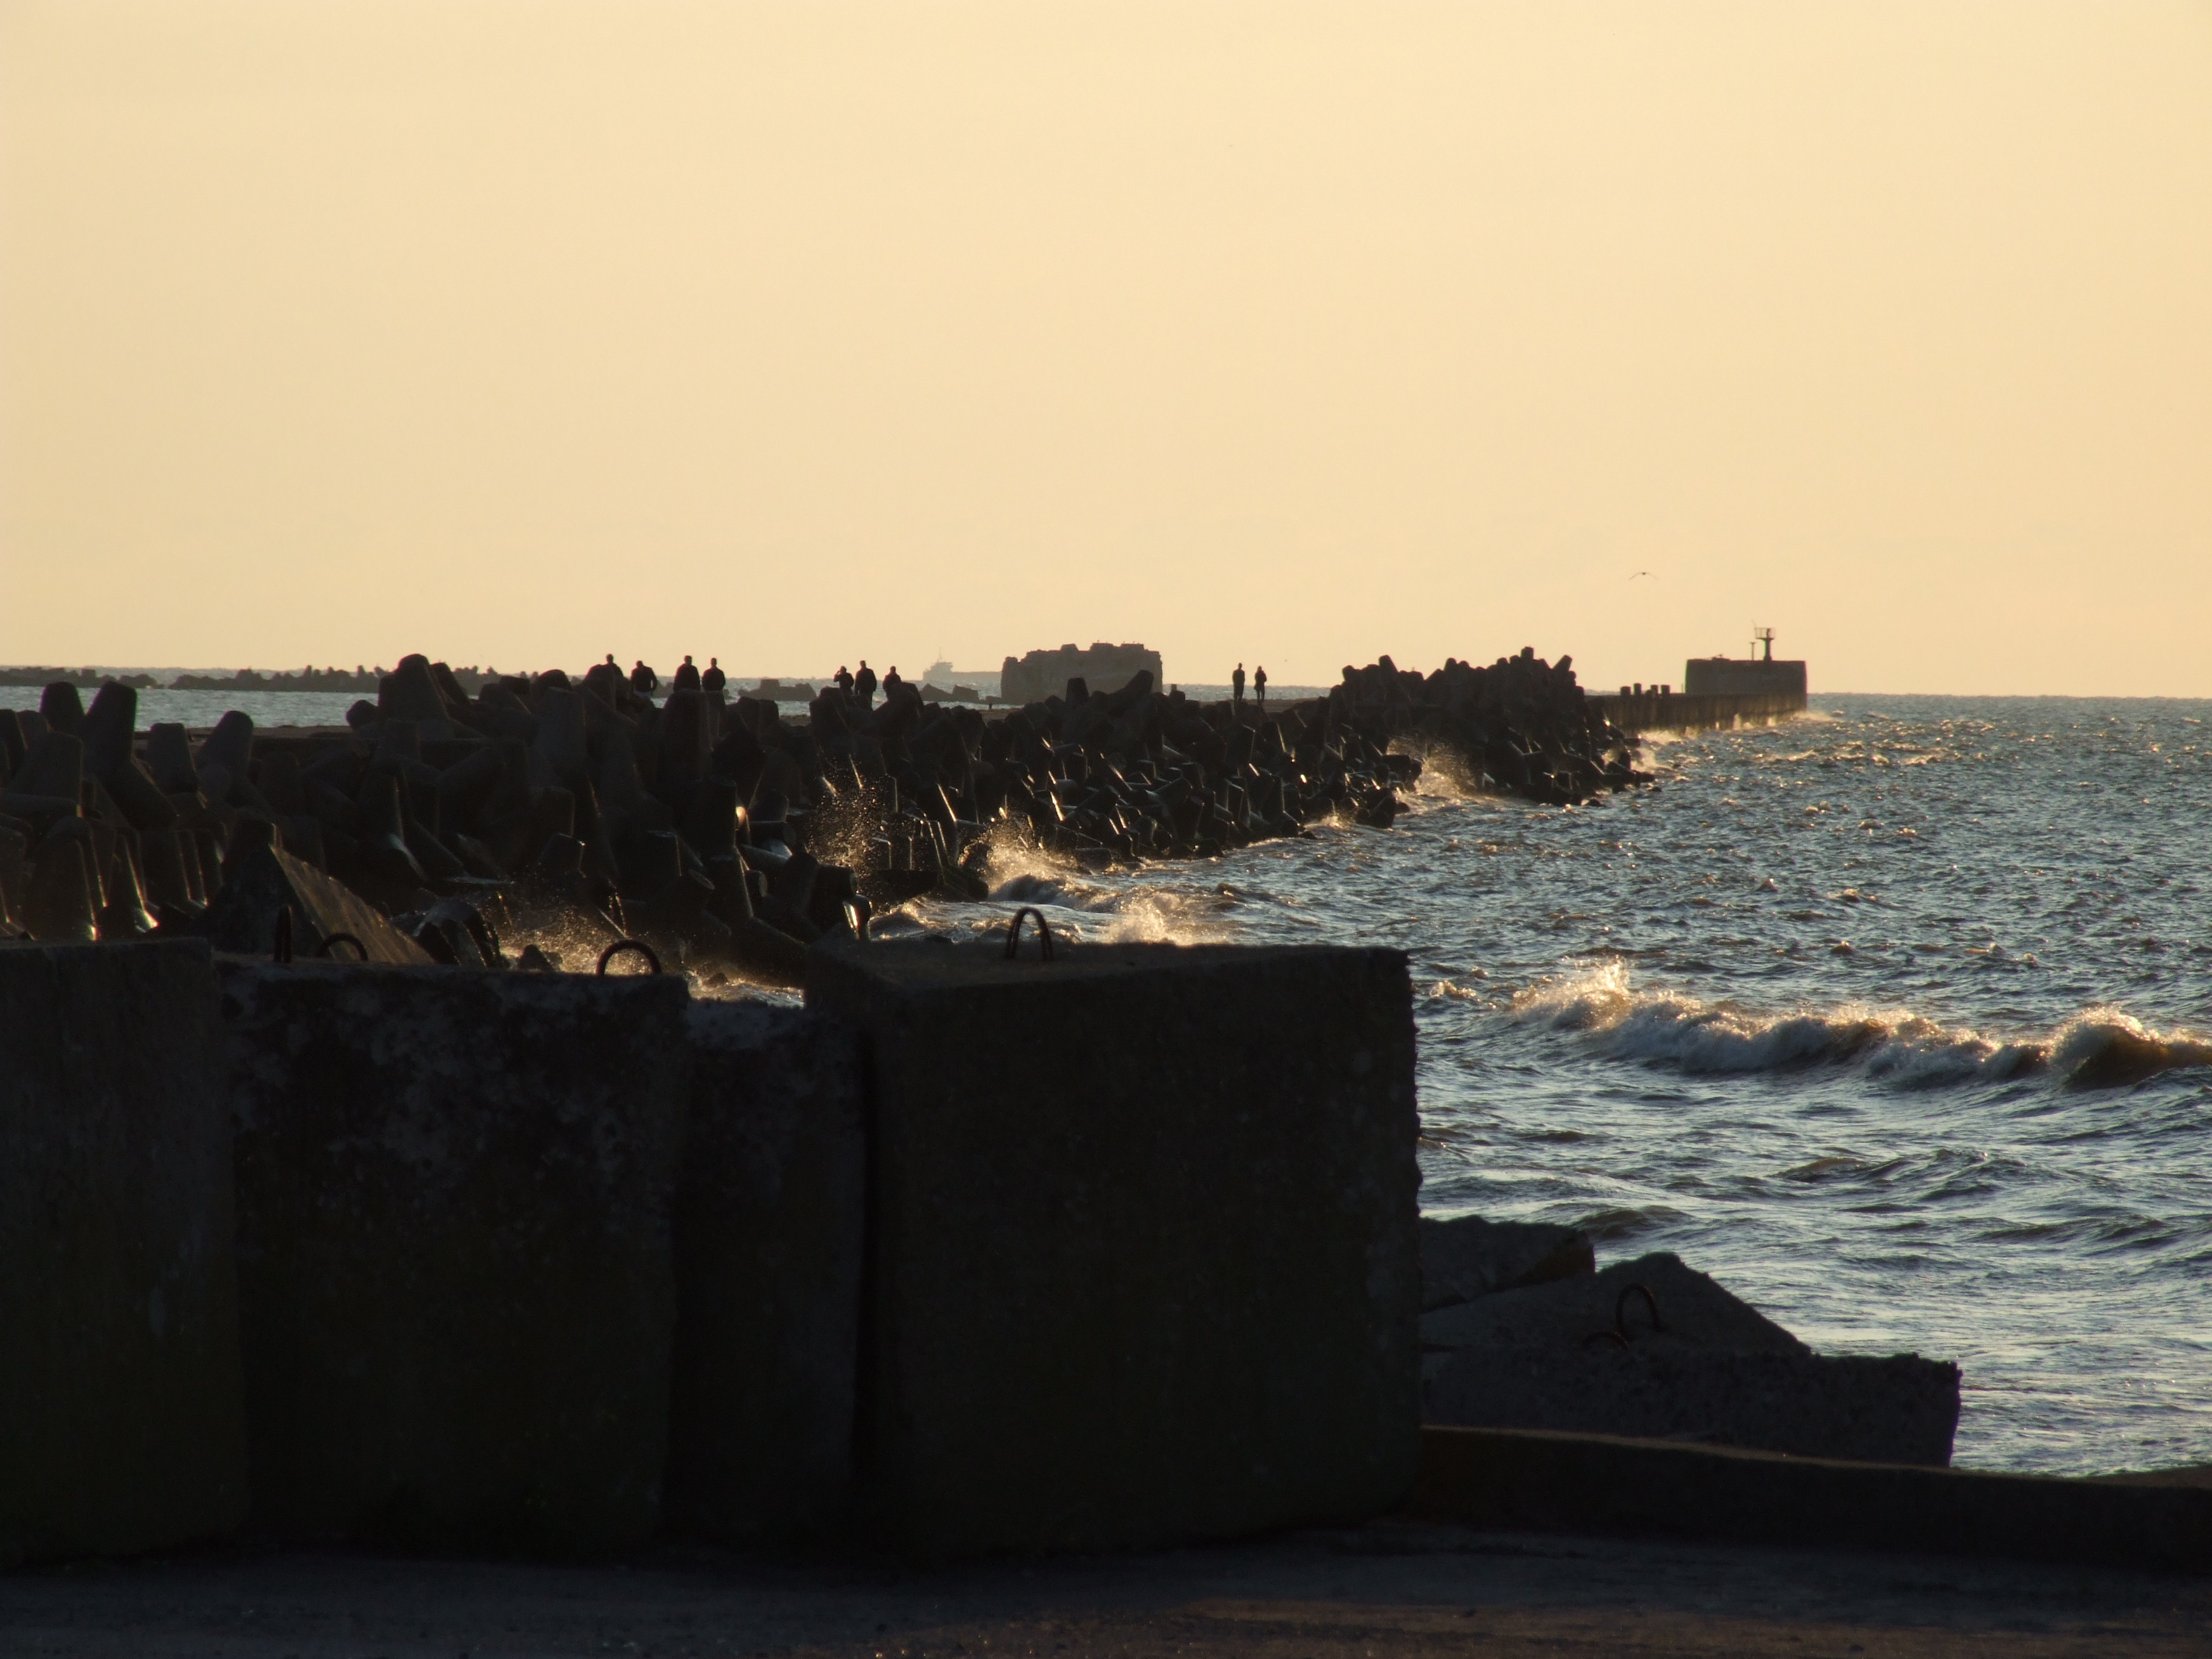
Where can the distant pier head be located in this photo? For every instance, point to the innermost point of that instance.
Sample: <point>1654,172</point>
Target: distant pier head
<point>1104,668</point>
<point>1715,691</point>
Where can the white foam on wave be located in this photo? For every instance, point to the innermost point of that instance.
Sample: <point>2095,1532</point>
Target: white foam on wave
<point>1446,776</point>
<point>1138,914</point>
<point>2099,1048</point>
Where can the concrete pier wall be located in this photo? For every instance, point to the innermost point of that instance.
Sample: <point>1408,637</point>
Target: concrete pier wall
<point>1118,1250</point>
<point>1652,711</point>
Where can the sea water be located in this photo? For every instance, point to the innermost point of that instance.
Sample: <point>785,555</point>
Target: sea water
<point>1896,1017</point>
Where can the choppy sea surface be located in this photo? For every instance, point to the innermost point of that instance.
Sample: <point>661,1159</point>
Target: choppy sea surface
<point>1897,1019</point>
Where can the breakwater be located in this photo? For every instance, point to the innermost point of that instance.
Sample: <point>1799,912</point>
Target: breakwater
<point>716,831</point>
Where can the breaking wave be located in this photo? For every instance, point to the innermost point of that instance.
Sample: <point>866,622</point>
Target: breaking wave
<point>2097,1049</point>
<point>1132,913</point>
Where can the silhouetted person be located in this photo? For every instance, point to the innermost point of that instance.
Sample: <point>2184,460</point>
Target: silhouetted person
<point>643,680</point>
<point>713,679</point>
<point>864,685</point>
<point>891,682</point>
<point>844,679</point>
<point>1236,686</point>
<point>1260,686</point>
<point>687,677</point>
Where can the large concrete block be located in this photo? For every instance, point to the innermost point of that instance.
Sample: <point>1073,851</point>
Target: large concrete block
<point>769,1225</point>
<point>1653,1348</point>
<point>455,1285</point>
<point>1142,1261</point>
<point>121,1426</point>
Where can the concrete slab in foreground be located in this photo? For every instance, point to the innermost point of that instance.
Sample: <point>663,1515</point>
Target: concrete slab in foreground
<point>1143,1261</point>
<point>767,1224</point>
<point>120,1422</point>
<point>1531,1480</point>
<point>456,1292</point>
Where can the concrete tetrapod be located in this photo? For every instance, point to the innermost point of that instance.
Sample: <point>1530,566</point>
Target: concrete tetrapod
<point>264,879</point>
<point>768,1227</point>
<point>121,1426</point>
<point>1142,1258</point>
<point>456,1293</point>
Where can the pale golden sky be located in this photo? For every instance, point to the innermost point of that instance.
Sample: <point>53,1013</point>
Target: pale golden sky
<point>799,332</point>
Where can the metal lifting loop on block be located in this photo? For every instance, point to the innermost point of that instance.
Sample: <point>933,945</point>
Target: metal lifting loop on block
<point>328,940</point>
<point>652,961</point>
<point>1620,1310</point>
<point>1014,935</point>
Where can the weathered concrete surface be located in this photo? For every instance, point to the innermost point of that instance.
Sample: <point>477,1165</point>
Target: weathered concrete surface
<point>1468,1256</point>
<point>456,1292</point>
<point>768,1220</point>
<point>1546,1482</point>
<point>121,1426</point>
<point>1585,1354</point>
<point>1143,1263</point>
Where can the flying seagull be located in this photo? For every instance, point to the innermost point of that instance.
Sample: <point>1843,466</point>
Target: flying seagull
<point>1643,572</point>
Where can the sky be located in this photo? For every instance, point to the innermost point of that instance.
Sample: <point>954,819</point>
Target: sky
<point>1276,333</point>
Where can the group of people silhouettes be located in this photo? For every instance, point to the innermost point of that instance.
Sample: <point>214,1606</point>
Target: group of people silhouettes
<point>860,687</point>
<point>646,682</point>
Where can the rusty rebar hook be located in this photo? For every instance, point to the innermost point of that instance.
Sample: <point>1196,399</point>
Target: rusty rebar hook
<point>328,940</point>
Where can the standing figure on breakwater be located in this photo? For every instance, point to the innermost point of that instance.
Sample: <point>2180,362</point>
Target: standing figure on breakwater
<point>713,679</point>
<point>687,677</point>
<point>643,680</point>
<point>1260,686</point>
<point>843,677</point>
<point>864,685</point>
<point>891,682</point>
<point>1236,686</point>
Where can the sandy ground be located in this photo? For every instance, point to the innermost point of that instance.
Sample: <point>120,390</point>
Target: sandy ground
<point>1382,1590</point>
